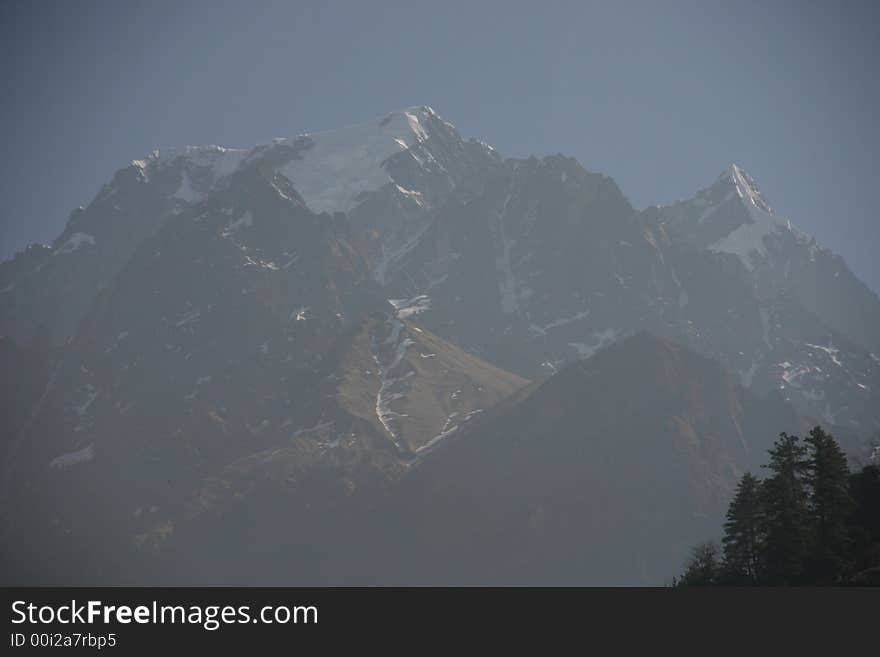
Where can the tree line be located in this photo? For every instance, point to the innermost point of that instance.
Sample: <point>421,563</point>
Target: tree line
<point>811,521</point>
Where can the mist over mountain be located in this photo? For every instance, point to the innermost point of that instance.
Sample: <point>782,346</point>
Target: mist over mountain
<point>388,354</point>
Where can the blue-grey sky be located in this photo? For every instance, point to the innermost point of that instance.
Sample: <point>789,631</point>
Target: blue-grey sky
<point>660,95</point>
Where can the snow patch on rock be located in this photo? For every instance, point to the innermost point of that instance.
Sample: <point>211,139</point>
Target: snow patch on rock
<point>340,165</point>
<point>409,307</point>
<point>600,340</point>
<point>75,242</point>
<point>70,459</point>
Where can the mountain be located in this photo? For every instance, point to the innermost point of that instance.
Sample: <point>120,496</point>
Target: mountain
<point>529,263</point>
<point>731,216</point>
<point>819,325</point>
<point>547,263</point>
<point>245,323</point>
<point>381,397</point>
<point>316,321</point>
<point>605,473</point>
<point>384,396</point>
<point>357,170</point>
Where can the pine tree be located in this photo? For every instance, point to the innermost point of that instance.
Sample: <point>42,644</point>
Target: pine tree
<point>811,522</point>
<point>743,533</point>
<point>784,500</point>
<point>703,569</point>
<point>865,525</point>
<point>865,489</point>
<point>831,506</point>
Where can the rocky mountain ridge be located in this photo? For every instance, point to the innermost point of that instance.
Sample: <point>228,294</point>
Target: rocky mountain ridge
<point>331,318</point>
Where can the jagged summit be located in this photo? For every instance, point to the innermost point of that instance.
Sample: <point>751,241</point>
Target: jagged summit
<point>331,169</point>
<point>745,186</point>
<point>730,216</point>
<point>402,121</point>
<point>551,258</point>
<point>199,154</point>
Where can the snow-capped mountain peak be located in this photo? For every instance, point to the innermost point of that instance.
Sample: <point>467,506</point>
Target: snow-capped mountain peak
<point>220,160</point>
<point>330,169</point>
<point>746,187</point>
<point>747,239</point>
<point>730,216</point>
<point>337,166</point>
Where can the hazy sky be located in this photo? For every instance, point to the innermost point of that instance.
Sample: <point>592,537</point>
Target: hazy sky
<point>660,95</point>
